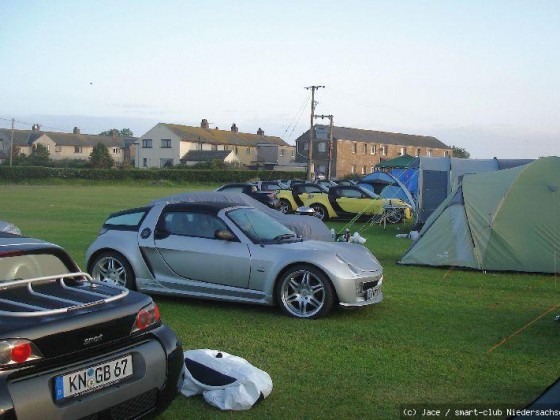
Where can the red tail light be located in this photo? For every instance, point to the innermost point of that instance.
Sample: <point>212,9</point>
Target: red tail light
<point>17,351</point>
<point>146,317</point>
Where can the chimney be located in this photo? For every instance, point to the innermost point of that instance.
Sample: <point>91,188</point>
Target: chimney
<point>234,128</point>
<point>76,130</point>
<point>204,124</point>
<point>36,127</point>
<point>260,132</point>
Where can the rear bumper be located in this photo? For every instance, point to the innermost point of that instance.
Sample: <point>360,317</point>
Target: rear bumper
<point>157,363</point>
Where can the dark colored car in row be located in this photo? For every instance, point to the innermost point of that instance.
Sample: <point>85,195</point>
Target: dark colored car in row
<point>72,347</point>
<point>268,198</point>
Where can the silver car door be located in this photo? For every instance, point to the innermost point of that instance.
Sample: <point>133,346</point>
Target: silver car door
<point>190,249</point>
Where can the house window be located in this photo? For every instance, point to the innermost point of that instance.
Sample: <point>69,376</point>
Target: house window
<point>417,152</point>
<point>372,169</point>
<point>446,153</point>
<point>293,153</point>
<point>354,148</point>
<point>145,162</point>
<point>165,163</point>
<point>77,149</point>
<point>165,143</point>
<point>306,145</point>
<point>236,150</point>
<point>365,149</point>
<point>58,148</point>
<point>403,151</point>
<point>115,151</point>
<point>322,146</point>
<point>146,143</point>
<point>282,152</point>
<point>384,150</point>
<point>353,169</point>
<point>373,149</point>
<point>248,151</point>
<point>429,152</point>
<point>364,170</point>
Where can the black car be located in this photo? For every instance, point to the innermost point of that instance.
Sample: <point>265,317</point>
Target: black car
<point>266,197</point>
<point>71,347</point>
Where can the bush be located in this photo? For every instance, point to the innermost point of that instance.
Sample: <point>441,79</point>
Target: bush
<point>24,173</point>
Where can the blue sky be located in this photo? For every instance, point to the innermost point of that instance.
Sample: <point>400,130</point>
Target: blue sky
<point>482,75</point>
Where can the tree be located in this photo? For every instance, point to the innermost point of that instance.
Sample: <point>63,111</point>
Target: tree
<point>459,152</point>
<point>100,157</point>
<point>40,155</point>
<point>114,132</point>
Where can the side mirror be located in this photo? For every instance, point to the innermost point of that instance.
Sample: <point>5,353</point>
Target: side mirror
<point>305,211</point>
<point>161,233</point>
<point>224,235</point>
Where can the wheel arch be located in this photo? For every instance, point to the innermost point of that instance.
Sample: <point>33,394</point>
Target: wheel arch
<point>107,250</point>
<point>293,264</point>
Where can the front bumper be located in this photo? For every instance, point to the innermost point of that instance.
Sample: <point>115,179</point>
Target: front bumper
<point>157,365</point>
<point>361,291</point>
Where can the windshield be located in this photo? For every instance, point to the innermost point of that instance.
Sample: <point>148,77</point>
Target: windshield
<point>260,227</point>
<point>28,266</point>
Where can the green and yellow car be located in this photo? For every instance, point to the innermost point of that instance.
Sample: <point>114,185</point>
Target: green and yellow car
<point>347,201</point>
<point>293,198</point>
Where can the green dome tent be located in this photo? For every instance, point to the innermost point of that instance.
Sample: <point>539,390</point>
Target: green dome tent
<point>506,220</point>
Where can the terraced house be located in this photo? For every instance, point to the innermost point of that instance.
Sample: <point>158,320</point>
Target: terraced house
<point>174,144</point>
<point>60,145</point>
<point>357,151</point>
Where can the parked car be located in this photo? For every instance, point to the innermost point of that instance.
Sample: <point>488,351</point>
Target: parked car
<point>293,198</point>
<point>325,183</point>
<point>270,185</point>
<point>234,253</point>
<point>266,197</point>
<point>347,201</point>
<point>72,347</point>
<point>289,183</point>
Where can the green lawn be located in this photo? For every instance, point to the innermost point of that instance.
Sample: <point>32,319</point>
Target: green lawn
<point>426,343</point>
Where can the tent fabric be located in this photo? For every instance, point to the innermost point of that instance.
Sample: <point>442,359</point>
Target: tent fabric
<point>409,178</point>
<point>307,227</point>
<point>500,221</point>
<point>404,161</point>
<point>387,186</point>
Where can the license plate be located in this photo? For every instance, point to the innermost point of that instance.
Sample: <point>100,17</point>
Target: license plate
<point>369,294</point>
<point>92,378</point>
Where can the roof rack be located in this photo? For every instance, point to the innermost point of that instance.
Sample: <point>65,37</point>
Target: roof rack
<point>96,297</point>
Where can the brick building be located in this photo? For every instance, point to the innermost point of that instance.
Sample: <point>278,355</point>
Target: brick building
<point>357,151</point>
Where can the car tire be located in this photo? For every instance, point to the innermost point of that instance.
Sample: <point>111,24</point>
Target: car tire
<point>112,267</point>
<point>303,291</point>
<point>320,212</point>
<point>284,206</point>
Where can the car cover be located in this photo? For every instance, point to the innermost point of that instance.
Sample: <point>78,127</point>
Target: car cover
<point>225,381</point>
<point>307,227</point>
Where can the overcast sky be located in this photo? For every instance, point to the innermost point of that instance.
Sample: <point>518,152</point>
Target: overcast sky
<point>482,75</point>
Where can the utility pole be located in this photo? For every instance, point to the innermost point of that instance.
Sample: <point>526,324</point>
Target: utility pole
<point>329,150</point>
<point>12,143</point>
<point>310,168</point>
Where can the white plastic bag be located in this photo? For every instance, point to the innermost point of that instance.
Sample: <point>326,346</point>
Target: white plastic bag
<point>225,381</point>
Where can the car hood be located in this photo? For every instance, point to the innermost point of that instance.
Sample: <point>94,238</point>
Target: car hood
<point>357,255</point>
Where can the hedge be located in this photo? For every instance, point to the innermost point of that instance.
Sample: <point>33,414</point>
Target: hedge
<point>22,173</point>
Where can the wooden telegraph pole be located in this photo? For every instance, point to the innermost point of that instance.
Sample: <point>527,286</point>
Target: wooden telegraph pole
<point>310,169</point>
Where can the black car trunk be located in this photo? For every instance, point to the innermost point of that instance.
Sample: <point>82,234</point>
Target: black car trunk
<point>61,319</point>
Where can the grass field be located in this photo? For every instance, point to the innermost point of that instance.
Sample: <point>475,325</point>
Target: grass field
<point>427,343</point>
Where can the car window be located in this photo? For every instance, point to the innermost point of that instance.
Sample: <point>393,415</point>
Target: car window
<point>195,224</point>
<point>127,219</point>
<point>313,189</point>
<point>260,227</point>
<point>28,266</point>
<point>232,188</point>
<point>349,193</point>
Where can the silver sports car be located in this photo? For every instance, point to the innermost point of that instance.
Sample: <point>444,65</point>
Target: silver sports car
<point>223,251</point>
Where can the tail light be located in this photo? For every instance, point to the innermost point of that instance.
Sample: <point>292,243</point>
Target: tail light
<point>146,317</point>
<point>17,351</point>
